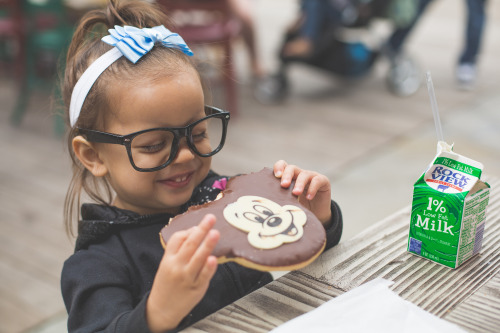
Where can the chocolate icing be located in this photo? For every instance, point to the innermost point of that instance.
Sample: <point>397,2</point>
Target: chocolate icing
<point>233,243</point>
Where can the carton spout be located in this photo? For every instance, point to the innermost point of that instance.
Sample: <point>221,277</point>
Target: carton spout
<point>443,146</point>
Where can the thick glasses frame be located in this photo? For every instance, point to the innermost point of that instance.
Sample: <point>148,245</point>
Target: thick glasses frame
<point>178,132</point>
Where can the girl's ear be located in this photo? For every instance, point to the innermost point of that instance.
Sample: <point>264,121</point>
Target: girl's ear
<point>89,157</point>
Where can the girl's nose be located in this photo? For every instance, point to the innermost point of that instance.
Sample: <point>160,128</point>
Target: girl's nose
<point>184,153</point>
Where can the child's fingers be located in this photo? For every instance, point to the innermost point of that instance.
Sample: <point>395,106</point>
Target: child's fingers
<point>176,241</point>
<point>208,269</point>
<point>309,183</point>
<point>201,257</point>
<point>319,184</point>
<point>195,238</point>
<point>289,174</point>
<point>302,182</point>
<point>278,168</point>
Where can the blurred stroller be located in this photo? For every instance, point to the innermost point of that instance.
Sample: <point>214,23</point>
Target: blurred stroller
<point>336,51</point>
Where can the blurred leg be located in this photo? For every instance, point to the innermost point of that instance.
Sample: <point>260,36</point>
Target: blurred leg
<point>242,9</point>
<point>318,15</point>
<point>473,31</point>
<point>399,36</point>
<point>466,71</point>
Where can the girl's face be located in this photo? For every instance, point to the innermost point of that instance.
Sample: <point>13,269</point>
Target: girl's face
<point>173,101</point>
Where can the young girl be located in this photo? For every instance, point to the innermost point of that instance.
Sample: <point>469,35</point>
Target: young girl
<point>141,146</point>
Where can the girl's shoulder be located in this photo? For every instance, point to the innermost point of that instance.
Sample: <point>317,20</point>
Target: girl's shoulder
<point>100,223</point>
<point>100,258</point>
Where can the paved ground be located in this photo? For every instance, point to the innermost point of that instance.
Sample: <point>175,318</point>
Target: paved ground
<point>371,144</point>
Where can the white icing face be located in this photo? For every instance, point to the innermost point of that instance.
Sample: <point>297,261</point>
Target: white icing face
<point>268,224</point>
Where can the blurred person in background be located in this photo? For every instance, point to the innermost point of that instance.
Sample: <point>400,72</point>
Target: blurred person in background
<point>242,9</point>
<point>466,69</point>
<point>315,16</point>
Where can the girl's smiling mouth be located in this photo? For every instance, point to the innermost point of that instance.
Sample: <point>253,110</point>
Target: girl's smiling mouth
<point>178,181</point>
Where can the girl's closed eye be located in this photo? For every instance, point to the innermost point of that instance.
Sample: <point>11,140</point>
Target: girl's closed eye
<point>200,131</point>
<point>153,148</point>
<point>199,136</point>
<point>152,142</point>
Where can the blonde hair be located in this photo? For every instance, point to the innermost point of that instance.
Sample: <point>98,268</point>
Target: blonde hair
<point>86,46</point>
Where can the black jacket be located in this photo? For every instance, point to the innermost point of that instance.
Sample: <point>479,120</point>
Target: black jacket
<point>106,282</point>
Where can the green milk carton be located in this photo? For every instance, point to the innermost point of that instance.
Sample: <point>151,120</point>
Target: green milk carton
<point>449,209</point>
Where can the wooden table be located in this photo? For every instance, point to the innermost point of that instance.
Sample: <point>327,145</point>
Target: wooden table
<point>468,296</point>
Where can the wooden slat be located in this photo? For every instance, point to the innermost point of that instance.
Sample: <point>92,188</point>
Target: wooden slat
<point>289,296</point>
<point>475,313</point>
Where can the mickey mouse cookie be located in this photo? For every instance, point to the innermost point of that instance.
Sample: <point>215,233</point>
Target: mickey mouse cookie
<point>262,225</point>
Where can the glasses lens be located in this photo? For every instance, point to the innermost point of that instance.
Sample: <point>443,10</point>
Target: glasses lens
<point>151,149</point>
<point>207,135</point>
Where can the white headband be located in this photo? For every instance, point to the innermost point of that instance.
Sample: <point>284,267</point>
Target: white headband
<point>130,42</point>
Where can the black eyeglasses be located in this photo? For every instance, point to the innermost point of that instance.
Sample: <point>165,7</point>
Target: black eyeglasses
<point>153,149</point>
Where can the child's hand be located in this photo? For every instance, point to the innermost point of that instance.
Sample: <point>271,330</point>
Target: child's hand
<point>183,276</point>
<point>312,188</point>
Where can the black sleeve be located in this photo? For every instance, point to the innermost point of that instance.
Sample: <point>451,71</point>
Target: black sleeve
<point>97,292</point>
<point>334,231</point>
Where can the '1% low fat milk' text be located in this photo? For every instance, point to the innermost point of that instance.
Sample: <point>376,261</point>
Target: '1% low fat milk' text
<point>449,209</point>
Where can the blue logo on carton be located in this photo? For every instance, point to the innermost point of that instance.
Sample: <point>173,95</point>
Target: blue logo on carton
<point>443,179</point>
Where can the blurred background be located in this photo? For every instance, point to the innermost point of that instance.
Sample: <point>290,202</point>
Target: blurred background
<point>352,107</point>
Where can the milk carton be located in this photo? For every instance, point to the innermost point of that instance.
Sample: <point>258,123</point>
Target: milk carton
<point>449,209</point>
